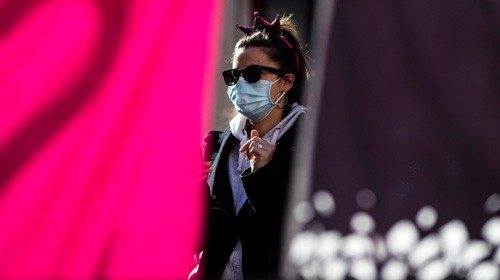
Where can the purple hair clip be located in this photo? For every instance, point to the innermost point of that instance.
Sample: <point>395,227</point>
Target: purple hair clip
<point>274,27</point>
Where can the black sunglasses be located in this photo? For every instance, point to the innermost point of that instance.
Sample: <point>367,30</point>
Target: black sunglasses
<point>250,73</point>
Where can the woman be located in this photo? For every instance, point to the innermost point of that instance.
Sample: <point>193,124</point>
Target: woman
<point>250,161</point>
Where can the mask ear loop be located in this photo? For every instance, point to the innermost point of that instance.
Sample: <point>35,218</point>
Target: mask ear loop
<point>283,93</point>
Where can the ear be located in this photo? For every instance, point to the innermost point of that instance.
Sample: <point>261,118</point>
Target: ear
<point>288,80</point>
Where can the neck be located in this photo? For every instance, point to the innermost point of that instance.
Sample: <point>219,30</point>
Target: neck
<point>265,125</point>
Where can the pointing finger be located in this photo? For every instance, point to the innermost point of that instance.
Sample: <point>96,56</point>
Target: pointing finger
<point>254,133</point>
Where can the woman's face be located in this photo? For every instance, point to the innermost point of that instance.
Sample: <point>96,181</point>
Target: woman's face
<point>244,57</point>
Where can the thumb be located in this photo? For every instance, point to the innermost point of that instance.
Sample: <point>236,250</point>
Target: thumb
<point>254,133</point>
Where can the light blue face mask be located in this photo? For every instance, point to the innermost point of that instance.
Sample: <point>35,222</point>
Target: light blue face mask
<point>253,100</point>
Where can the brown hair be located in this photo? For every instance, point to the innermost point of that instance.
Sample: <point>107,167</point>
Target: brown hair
<point>292,60</point>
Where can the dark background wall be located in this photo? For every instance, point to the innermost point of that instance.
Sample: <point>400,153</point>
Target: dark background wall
<point>407,134</point>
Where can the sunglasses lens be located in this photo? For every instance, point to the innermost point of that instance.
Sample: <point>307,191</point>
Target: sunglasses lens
<point>230,76</point>
<point>252,74</point>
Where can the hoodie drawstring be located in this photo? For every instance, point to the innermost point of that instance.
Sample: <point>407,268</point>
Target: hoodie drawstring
<point>276,133</point>
<point>240,155</point>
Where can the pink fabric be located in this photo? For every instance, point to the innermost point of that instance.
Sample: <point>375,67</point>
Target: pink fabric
<point>101,115</point>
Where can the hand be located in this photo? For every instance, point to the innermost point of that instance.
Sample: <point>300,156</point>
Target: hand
<point>258,151</point>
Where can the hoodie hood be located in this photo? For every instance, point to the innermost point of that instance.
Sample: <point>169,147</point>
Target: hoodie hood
<point>237,125</point>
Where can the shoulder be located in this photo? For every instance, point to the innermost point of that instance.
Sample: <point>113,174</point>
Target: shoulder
<point>213,142</point>
<point>216,136</point>
<point>297,125</point>
<point>301,119</point>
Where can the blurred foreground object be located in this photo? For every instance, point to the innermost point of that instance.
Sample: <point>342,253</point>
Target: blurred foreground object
<point>404,169</point>
<point>100,125</point>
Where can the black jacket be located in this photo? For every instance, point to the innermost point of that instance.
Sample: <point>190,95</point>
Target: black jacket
<point>259,222</point>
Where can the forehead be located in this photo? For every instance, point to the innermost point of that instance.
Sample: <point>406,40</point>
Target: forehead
<point>244,57</point>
